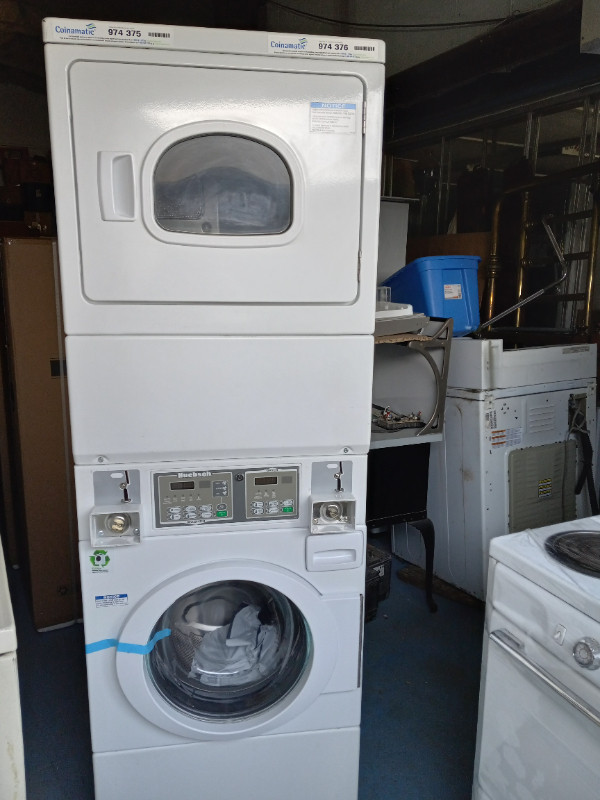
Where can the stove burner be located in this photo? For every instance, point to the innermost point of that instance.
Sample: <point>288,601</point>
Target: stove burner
<point>579,550</point>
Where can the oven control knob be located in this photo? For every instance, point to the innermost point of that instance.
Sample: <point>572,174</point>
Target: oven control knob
<point>586,653</point>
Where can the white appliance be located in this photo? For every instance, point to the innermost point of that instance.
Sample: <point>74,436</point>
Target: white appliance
<point>539,716</point>
<point>12,765</point>
<point>217,202</point>
<point>217,198</point>
<point>510,458</point>
<point>224,658</point>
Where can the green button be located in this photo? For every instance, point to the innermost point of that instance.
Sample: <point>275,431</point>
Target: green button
<point>221,513</point>
<point>288,509</point>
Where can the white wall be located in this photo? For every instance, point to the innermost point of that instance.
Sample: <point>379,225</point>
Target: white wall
<point>406,46</point>
<point>24,119</point>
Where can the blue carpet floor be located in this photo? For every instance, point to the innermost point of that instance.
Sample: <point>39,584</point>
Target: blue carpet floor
<point>421,682</point>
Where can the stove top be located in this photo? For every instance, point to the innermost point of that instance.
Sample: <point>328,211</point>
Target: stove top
<point>578,550</point>
<point>563,559</point>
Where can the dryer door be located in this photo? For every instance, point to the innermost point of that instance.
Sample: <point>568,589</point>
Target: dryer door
<point>207,185</point>
<point>232,649</point>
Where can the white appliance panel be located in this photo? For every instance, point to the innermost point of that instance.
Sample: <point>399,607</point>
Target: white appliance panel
<point>539,714</point>
<point>129,275</point>
<point>12,765</point>
<point>326,770</point>
<point>168,398</point>
<point>468,496</point>
<point>533,742</point>
<point>152,108</point>
<point>145,579</point>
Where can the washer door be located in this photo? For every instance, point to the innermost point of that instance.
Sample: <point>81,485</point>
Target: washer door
<point>232,649</point>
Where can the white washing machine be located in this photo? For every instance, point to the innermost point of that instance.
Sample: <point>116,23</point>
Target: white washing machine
<point>217,204</point>
<point>223,658</point>
<point>511,457</point>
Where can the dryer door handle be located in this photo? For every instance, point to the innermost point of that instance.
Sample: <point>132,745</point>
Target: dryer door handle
<point>116,186</point>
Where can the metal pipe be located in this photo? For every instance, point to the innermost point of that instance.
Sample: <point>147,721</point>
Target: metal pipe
<point>594,223</point>
<point>522,252</point>
<point>494,266</point>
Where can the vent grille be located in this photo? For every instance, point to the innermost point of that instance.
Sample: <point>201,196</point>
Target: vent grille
<point>541,485</point>
<point>541,418</point>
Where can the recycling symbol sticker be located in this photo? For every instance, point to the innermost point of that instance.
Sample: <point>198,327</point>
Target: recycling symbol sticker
<point>100,560</point>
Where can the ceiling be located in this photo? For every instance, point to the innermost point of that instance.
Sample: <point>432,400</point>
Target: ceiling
<point>413,29</point>
<point>21,52</point>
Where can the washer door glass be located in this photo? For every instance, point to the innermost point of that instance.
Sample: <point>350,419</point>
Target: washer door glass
<point>236,648</point>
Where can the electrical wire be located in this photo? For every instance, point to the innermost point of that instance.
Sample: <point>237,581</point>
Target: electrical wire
<point>387,27</point>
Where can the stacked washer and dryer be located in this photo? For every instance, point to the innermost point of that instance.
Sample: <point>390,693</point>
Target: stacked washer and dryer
<point>217,201</point>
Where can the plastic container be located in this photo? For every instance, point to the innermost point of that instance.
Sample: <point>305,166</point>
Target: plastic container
<point>440,286</point>
<point>377,580</point>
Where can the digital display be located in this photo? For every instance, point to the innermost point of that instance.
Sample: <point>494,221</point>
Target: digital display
<point>182,485</point>
<point>269,480</point>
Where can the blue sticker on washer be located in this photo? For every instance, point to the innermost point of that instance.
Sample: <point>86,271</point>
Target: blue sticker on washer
<point>105,600</point>
<point>126,647</point>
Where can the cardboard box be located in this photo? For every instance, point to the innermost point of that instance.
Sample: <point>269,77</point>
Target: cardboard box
<point>41,452</point>
<point>453,244</point>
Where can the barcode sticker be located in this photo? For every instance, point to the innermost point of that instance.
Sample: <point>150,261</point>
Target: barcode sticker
<point>452,291</point>
<point>288,44</point>
<point>124,34</point>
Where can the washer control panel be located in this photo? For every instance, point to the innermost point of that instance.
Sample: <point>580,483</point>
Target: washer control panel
<point>271,493</point>
<point>192,498</point>
<point>229,495</point>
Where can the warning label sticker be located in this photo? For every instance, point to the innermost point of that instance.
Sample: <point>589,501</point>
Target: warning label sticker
<point>506,437</point>
<point>332,117</point>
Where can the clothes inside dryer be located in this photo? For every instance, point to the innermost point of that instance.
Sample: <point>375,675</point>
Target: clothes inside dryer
<point>234,649</point>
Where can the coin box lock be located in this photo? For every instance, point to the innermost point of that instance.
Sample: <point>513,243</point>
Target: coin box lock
<point>333,513</point>
<point>113,526</point>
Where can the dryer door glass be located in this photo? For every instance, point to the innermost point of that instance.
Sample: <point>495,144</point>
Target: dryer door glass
<point>235,648</point>
<point>222,185</point>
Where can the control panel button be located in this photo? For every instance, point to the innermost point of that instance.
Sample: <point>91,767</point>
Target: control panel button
<point>206,507</point>
<point>221,507</point>
<point>206,514</point>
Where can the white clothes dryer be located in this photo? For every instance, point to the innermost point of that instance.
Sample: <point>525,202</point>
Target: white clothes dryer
<point>223,628</point>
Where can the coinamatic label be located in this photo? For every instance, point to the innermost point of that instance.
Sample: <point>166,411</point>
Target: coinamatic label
<point>113,33</point>
<point>282,44</point>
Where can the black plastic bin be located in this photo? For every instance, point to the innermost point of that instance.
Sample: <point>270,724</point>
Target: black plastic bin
<point>377,580</point>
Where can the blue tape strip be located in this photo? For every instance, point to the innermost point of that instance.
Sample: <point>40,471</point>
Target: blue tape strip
<point>125,647</point>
